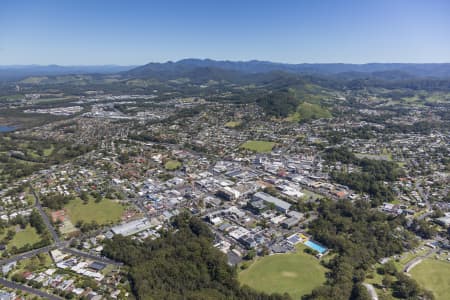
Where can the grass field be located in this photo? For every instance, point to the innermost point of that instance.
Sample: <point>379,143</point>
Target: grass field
<point>171,165</point>
<point>26,236</point>
<point>296,274</point>
<point>232,124</point>
<point>104,212</point>
<point>433,275</point>
<point>258,146</point>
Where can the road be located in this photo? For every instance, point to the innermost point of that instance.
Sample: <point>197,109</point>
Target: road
<point>91,257</point>
<point>26,255</point>
<point>44,216</point>
<point>423,195</point>
<point>414,262</point>
<point>17,286</point>
<point>371,290</point>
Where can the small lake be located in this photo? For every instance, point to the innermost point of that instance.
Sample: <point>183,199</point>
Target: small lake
<point>7,128</point>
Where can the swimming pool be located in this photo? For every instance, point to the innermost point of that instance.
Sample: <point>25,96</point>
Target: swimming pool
<point>316,246</point>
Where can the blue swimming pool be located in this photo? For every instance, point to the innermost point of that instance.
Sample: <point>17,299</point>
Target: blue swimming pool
<point>316,246</point>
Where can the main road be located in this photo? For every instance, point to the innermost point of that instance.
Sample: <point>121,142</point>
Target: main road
<point>17,286</point>
<point>44,216</point>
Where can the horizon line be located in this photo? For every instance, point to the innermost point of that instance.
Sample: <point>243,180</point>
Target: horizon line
<point>216,60</point>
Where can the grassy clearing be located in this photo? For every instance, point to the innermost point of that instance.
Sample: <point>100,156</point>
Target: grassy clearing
<point>23,237</point>
<point>34,79</point>
<point>433,275</point>
<point>171,165</point>
<point>308,111</point>
<point>387,157</point>
<point>232,124</point>
<point>49,151</point>
<point>296,274</point>
<point>310,195</point>
<point>258,146</point>
<point>104,212</point>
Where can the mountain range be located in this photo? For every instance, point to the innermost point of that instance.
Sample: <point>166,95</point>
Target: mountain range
<point>224,69</point>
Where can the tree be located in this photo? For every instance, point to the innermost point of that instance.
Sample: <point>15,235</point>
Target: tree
<point>406,287</point>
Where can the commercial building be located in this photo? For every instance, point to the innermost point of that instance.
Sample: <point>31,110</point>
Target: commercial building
<point>280,205</point>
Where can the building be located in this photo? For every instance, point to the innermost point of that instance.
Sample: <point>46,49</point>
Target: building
<point>257,206</point>
<point>8,267</point>
<point>6,296</point>
<point>228,193</point>
<point>279,204</point>
<point>290,222</point>
<point>132,227</point>
<point>444,221</point>
<point>247,241</point>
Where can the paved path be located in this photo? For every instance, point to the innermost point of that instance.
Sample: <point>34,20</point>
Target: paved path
<point>414,262</point>
<point>371,291</point>
<point>17,286</point>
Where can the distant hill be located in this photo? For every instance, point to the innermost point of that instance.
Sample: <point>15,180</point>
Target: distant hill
<point>387,71</point>
<point>17,72</point>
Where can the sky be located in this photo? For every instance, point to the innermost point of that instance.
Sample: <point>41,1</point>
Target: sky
<point>131,32</point>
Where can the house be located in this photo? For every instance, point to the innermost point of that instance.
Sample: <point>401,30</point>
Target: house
<point>6,296</point>
<point>8,267</point>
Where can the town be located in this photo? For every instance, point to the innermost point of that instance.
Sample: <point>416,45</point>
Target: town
<point>256,181</point>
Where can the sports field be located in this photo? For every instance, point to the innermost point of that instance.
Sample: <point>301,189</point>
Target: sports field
<point>104,212</point>
<point>296,274</point>
<point>232,124</point>
<point>258,146</point>
<point>433,275</point>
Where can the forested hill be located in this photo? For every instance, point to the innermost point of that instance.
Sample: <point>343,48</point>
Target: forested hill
<point>182,264</point>
<point>379,70</point>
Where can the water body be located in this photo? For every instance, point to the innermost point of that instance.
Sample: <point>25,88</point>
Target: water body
<point>7,128</point>
<point>316,246</point>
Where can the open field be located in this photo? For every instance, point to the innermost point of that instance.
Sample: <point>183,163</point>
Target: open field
<point>104,212</point>
<point>295,273</point>
<point>232,124</point>
<point>23,237</point>
<point>172,165</point>
<point>433,275</point>
<point>258,146</point>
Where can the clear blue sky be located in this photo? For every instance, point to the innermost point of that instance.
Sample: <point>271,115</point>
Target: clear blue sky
<point>73,32</point>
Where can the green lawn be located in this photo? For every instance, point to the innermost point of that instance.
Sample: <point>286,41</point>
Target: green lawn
<point>104,212</point>
<point>23,237</point>
<point>172,165</point>
<point>433,275</point>
<point>296,274</point>
<point>258,146</point>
